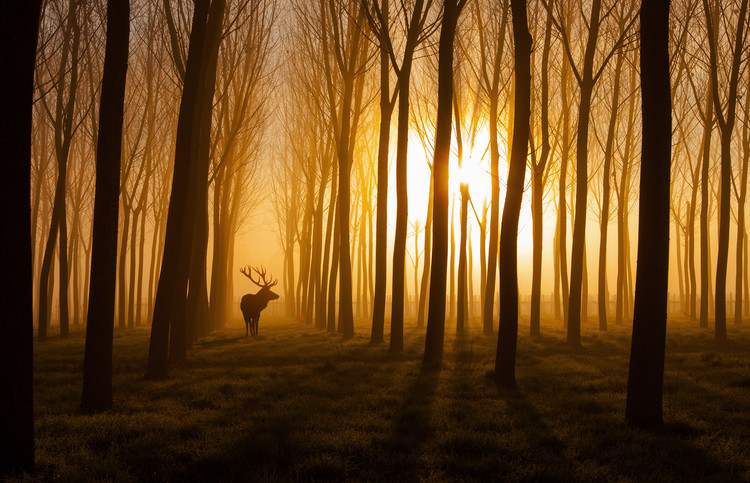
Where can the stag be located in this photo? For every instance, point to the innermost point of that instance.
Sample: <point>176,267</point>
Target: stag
<point>252,304</point>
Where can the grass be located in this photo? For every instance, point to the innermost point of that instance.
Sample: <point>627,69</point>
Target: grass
<point>299,404</point>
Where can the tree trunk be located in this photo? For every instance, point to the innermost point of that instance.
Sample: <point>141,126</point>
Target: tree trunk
<point>132,307</point>
<point>197,300</point>
<point>537,190</point>
<point>402,203</point>
<point>170,293</point>
<point>121,299</point>
<point>423,290</point>
<point>19,24</point>
<point>562,188</point>
<point>602,295</point>
<point>579,222</point>
<point>97,365</point>
<point>645,378</point>
<point>507,335</point>
<point>706,159</point>
<point>726,124</point>
<point>434,339</point>
<point>461,314</point>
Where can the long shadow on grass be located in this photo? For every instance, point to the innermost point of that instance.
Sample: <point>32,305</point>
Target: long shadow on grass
<point>589,385</point>
<point>543,456</point>
<point>500,434</point>
<point>300,423</point>
<point>412,430</point>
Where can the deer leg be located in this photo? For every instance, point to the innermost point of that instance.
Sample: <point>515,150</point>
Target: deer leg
<point>257,319</point>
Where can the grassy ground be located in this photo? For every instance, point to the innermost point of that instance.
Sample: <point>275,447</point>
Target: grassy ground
<point>299,404</point>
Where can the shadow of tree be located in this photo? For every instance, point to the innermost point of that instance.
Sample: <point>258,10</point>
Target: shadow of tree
<point>400,454</point>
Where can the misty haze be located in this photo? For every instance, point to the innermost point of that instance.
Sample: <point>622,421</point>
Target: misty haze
<point>374,240</point>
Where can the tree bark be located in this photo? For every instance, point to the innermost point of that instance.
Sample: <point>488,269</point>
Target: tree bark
<point>434,339</point>
<point>537,189</point>
<point>645,378</point>
<point>97,365</point>
<point>507,335</point>
<point>581,206</point>
<point>170,293</point>
<point>19,24</point>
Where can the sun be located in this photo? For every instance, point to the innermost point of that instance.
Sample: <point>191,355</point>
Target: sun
<point>474,170</point>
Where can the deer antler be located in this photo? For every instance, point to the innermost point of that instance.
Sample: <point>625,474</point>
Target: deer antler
<point>262,274</point>
<point>261,282</point>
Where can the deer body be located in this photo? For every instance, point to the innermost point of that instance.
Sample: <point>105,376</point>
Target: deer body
<point>252,304</point>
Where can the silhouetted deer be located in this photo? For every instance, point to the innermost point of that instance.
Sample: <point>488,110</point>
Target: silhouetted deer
<point>252,304</point>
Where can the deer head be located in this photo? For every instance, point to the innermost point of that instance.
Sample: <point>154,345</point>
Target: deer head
<point>264,284</point>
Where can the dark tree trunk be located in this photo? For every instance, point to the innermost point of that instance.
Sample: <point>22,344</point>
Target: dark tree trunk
<point>489,287</point>
<point>537,190</point>
<point>708,123</point>
<point>97,363</point>
<point>602,295</point>
<point>726,119</point>
<point>381,221</point>
<point>197,301</point>
<point>323,313</point>
<point>402,199</point>
<point>645,379</point>
<point>562,203</point>
<point>132,307</point>
<point>434,339</point>
<point>121,300</point>
<point>169,293</point>
<point>422,308</point>
<point>402,209</point>
<point>461,313</point>
<point>740,261</point>
<point>578,250</point>
<point>507,335</point>
<point>333,279</point>
<point>19,24</point>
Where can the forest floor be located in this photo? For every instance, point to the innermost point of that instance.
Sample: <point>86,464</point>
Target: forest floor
<point>296,403</point>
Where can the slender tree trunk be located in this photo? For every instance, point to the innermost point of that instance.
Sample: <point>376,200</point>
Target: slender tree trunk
<point>324,312</point>
<point>461,313</point>
<point>602,295</point>
<point>645,378</point>
<point>423,291</point>
<point>434,339</point>
<point>170,292</point>
<point>581,207</point>
<point>706,159</point>
<point>562,203</point>
<point>537,190</point>
<point>132,307</point>
<point>97,366</point>
<point>332,281</point>
<point>507,335</point>
<point>470,276</point>
<point>452,262</point>
<point>740,261</point>
<point>121,299</point>
<point>402,203</point>
<point>726,125</point>
<point>489,291</point>
<point>197,300</point>
<point>556,269</point>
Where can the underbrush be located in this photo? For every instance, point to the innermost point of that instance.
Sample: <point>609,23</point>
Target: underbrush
<point>296,403</point>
